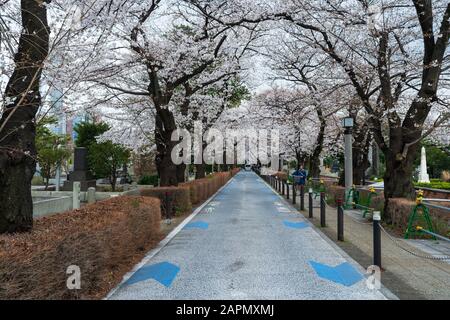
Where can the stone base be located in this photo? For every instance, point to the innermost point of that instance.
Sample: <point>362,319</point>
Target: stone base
<point>68,185</point>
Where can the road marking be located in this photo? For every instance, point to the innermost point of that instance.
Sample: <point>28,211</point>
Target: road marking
<point>164,273</point>
<point>209,210</point>
<point>296,225</point>
<point>344,273</point>
<point>197,225</point>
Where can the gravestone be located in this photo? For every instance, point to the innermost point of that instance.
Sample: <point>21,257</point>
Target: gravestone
<point>80,172</point>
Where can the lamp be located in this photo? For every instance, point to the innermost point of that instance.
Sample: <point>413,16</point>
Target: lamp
<point>347,122</point>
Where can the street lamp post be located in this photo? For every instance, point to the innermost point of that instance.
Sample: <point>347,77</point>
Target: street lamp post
<point>347,123</point>
<point>281,161</point>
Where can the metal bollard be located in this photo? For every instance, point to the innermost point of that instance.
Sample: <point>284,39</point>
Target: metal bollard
<point>340,220</point>
<point>302,197</point>
<point>376,239</point>
<point>287,191</point>
<point>294,194</point>
<point>323,223</point>
<point>310,203</point>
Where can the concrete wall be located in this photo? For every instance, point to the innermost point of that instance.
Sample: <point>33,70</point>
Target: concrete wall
<point>83,195</point>
<point>50,202</point>
<point>44,206</point>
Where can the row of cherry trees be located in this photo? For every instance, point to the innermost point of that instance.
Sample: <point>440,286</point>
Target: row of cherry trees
<point>392,54</point>
<point>152,66</point>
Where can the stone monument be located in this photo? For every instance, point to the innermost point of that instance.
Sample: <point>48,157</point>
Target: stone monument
<point>80,172</point>
<point>423,174</point>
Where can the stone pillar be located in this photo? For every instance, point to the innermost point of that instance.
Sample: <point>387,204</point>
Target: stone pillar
<point>91,195</point>
<point>76,195</point>
<point>423,174</point>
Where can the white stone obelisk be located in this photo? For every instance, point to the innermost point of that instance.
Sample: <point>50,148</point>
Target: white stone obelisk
<point>321,166</point>
<point>423,174</point>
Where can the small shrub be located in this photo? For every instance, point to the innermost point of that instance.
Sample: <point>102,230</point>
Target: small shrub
<point>148,180</point>
<point>442,185</point>
<point>37,181</point>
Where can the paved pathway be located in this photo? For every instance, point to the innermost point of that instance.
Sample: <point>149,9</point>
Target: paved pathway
<point>248,244</point>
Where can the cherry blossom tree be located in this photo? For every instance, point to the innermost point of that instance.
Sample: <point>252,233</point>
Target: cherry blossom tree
<point>22,100</point>
<point>30,67</point>
<point>394,53</point>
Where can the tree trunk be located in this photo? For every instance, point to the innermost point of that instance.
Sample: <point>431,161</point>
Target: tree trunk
<point>181,173</point>
<point>17,127</point>
<point>113,183</point>
<point>200,171</point>
<point>315,157</point>
<point>375,160</point>
<point>361,161</point>
<point>167,170</point>
<point>397,178</point>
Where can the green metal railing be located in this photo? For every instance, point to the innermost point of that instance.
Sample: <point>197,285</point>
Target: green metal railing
<point>419,215</point>
<point>353,200</point>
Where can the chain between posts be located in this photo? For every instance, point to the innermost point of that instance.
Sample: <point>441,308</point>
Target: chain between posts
<point>396,242</point>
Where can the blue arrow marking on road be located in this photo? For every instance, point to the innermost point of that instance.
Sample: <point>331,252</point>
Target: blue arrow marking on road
<point>344,273</point>
<point>198,224</point>
<point>164,273</point>
<point>296,225</point>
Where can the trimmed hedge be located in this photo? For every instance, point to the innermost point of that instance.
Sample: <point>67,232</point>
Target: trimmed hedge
<point>401,208</point>
<point>180,199</point>
<point>103,239</point>
<point>334,193</point>
<point>281,175</point>
<point>176,199</point>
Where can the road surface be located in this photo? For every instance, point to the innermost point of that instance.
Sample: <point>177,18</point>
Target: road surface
<point>248,243</point>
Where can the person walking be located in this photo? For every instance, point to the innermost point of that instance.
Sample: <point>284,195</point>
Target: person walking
<point>300,176</point>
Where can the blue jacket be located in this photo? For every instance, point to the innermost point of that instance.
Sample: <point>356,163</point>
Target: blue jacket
<point>300,176</point>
